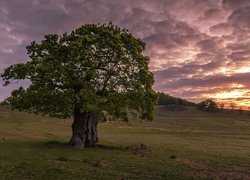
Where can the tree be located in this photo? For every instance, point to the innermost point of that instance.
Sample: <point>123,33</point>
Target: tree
<point>97,72</point>
<point>232,105</point>
<point>222,105</point>
<point>4,103</point>
<point>208,105</point>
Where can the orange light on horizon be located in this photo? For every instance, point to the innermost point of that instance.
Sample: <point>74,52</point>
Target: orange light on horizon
<point>238,96</point>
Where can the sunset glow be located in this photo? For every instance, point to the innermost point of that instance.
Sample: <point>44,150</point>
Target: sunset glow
<point>232,94</point>
<point>236,93</point>
<point>243,70</point>
<point>225,70</point>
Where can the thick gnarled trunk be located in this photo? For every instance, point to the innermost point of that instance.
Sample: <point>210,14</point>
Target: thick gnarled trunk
<point>84,130</point>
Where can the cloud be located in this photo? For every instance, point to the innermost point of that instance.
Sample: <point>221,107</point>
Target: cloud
<point>221,29</point>
<point>240,18</point>
<point>232,4</point>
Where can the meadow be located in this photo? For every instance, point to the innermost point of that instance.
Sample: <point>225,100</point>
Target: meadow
<point>187,144</point>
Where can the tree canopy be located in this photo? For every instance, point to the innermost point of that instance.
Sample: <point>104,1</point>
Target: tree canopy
<point>97,68</point>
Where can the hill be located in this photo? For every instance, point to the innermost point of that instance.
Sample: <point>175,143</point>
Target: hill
<point>166,99</point>
<point>187,144</point>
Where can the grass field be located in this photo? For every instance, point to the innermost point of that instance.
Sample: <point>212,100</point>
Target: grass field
<point>176,145</point>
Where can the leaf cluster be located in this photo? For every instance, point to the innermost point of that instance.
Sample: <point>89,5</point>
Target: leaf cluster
<point>96,68</point>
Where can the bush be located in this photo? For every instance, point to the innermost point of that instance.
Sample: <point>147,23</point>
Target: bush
<point>208,105</point>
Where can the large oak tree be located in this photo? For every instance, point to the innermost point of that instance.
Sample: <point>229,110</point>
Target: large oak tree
<point>97,72</point>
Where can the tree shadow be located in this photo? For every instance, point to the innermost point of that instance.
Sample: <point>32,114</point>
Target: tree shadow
<point>137,148</point>
<point>50,144</point>
<point>109,147</point>
<point>56,144</point>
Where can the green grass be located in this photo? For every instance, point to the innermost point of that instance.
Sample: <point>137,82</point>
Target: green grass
<point>180,145</point>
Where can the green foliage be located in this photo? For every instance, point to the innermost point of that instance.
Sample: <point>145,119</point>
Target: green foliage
<point>96,68</point>
<point>4,103</point>
<point>208,105</point>
<point>165,99</point>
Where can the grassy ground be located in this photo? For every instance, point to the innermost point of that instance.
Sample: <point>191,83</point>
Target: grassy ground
<point>177,145</point>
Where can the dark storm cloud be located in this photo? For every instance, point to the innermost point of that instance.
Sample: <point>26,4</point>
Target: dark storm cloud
<point>212,45</point>
<point>171,34</point>
<point>193,45</point>
<point>240,55</point>
<point>240,18</point>
<point>234,4</point>
<point>221,29</point>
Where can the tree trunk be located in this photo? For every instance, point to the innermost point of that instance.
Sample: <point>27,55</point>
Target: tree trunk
<point>84,130</point>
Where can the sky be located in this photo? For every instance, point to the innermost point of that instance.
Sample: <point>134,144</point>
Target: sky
<point>198,49</point>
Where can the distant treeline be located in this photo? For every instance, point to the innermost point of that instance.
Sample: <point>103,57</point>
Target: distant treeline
<point>166,99</point>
